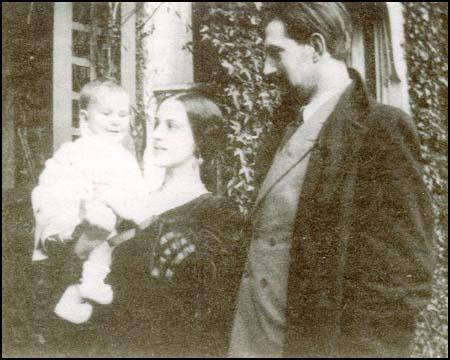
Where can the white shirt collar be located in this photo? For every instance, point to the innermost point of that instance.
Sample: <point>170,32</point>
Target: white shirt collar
<point>317,102</point>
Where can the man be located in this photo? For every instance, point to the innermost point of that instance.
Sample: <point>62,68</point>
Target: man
<point>339,262</point>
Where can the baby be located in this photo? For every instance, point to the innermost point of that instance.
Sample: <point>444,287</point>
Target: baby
<point>85,190</point>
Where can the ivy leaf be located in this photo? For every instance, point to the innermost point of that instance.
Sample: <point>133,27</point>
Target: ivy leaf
<point>228,66</point>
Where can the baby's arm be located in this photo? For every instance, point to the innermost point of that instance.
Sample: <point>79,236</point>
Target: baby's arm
<point>65,198</point>
<point>56,200</point>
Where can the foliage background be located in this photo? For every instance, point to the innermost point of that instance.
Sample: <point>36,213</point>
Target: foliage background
<point>232,35</point>
<point>426,30</point>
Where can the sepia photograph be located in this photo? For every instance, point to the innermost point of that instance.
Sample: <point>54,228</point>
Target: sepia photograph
<point>225,179</point>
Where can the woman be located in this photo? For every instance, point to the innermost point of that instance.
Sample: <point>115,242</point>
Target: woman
<point>175,283</point>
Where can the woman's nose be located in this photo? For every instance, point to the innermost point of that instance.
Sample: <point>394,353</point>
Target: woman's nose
<point>157,133</point>
<point>270,66</point>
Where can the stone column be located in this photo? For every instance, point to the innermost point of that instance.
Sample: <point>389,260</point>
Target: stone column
<point>167,63</point>
<point>165,30</point>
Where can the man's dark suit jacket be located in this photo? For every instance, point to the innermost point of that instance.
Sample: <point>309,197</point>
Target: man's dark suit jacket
<point>360,263</point>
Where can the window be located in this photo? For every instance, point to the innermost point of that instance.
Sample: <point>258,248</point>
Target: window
<point>373,52</point>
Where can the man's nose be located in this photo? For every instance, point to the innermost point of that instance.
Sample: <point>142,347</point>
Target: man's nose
<point>270,67</point>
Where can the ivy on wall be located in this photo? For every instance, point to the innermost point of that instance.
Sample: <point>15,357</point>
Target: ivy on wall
<point>426,31</point>
<point>232,33</point>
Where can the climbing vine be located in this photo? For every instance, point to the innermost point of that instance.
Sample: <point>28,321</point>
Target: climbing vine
<point>231,32</point>
<point>426,29</point>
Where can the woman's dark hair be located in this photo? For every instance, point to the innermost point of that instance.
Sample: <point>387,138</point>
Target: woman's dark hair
<point>207,125</point>
<point>302,19</point>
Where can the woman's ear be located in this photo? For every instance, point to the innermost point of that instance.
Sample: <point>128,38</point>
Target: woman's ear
<point>317,41</point>
<point>83,115</point>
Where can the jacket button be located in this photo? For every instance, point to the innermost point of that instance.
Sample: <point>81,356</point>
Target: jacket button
<point>272,242</point>
<point>263,283</point>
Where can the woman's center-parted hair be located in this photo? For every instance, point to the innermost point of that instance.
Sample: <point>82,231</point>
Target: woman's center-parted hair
<point>302,19</point>
<point>90,90</point>
<point>206,121</point>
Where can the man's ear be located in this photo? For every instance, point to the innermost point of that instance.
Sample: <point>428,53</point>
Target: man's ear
<point>317,41</point>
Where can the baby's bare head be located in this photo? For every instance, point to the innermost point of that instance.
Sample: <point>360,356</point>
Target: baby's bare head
<point>105,108</point>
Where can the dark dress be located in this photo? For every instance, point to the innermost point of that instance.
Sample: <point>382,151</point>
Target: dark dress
<point>188,309</point>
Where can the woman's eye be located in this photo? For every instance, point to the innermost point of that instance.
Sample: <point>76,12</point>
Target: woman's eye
<point>171,125</point>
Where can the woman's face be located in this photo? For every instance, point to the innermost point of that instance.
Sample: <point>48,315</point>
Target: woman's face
<point>172,138</point>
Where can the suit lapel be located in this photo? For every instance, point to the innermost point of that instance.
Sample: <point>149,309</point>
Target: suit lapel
<point>300,145</point>
<point>319,248</point>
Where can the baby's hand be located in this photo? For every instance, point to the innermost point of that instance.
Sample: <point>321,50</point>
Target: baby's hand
<point>98,215</point>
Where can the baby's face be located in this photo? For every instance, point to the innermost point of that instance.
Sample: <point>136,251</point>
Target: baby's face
<point>108,114</point>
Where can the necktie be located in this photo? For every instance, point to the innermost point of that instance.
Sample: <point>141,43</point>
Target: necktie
<point>300,119</point>
<point>292,127</point>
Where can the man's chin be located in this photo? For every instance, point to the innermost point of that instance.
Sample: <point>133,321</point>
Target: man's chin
<point>294,95</point>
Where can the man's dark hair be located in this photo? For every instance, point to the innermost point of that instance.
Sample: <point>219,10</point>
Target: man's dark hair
<point>302,19</point>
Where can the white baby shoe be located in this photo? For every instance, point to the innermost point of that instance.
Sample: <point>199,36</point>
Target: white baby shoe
<point>72,308</point>
<point>99,292</point>
<point>95,270</point>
